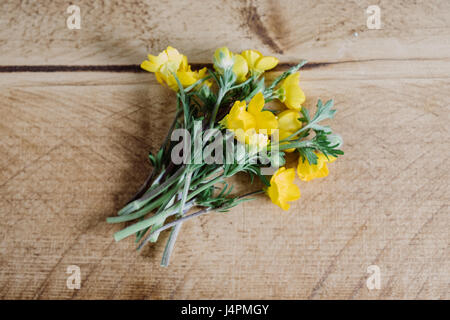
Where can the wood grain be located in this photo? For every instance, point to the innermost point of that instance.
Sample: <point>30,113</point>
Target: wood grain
<point>74,146</point>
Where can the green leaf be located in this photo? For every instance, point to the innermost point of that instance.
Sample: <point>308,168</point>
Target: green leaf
<point>308,154</point>
<point>323,142</point>
<point>152,159</point>
<point>323,112</point>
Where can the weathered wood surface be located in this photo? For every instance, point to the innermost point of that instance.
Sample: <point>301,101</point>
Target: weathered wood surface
<point>74,148</point>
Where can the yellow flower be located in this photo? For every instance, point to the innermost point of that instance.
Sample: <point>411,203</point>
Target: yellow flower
<point>288,124</point>
<point>242,123</point>
<point>282,188</point>
<point>266,121</point>
<point>307,171</point>
<point>257,63</point>
<point>252,117</point>
<point>169,80</point>
<point>290,92</point>
<point>167,63</point>
<point>251,125</point>
<point>189,77</point>
<point>239,118</point>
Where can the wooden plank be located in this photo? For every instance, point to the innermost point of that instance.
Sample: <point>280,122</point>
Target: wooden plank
<point>123,32</point>
<point>75,147</point>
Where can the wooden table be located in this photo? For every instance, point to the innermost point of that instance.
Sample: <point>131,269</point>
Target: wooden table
<point>77,122</point>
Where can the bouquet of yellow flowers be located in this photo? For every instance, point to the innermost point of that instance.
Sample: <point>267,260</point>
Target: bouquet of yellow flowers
<point>222,127</point>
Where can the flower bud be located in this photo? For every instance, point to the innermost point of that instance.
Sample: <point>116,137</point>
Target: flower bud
<point>223,59</point>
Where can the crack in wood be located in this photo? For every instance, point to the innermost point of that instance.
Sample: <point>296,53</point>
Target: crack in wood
<point>124,67</point>
<point>254,23</point>
<point>137,69</point>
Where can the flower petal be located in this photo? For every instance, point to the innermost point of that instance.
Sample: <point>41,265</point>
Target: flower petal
<point>282,188</point>
<point>266,63</point>
<point>283,134</point>
<point>288,120</point>
<point>292,79</point>
<point>239,118</point>
<point>267,121</point>
<point>307,171</point>
<point>256,104</point>
<point>294,97</point>
<point>240,68</point>
<point>186,78</point>
<point>149,66</point>
<point>251,56</point>
<point>322,172</point>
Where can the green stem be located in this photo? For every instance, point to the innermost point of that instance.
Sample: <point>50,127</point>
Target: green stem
<point>139,203</point>
<point>148,238</point>
<point>198,82</point>
<point>187,184</point>
<point>174,234</point>
<point>285,74</point>
<point>148,222</point>
<point>170,245</point>
<point>180,221</point>
<point>242,84</point>
<point>142,212</point>
<point>296,144</point>
<point>220,96</point>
